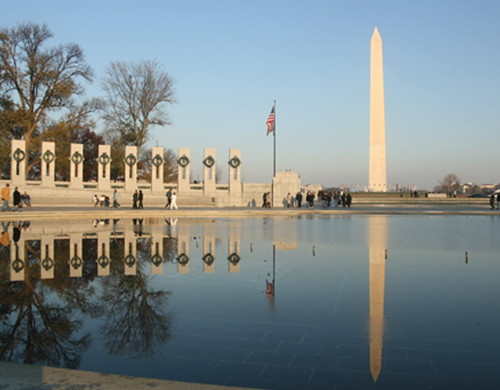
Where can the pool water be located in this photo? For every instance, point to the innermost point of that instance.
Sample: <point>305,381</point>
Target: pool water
<point>350,302</point>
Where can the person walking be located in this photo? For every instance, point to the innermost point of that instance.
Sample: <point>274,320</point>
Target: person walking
<point>348,199</point>
<point>17,199</point>
<point>173,201</point>
<point>169,198</point>
<point>5,193</point>
<point>115,199</point>
<point>135,198</point>
<point>288,200</point>
<point>140,198</point>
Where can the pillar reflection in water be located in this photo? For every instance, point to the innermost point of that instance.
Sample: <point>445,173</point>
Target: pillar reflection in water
<point>103,260</point>
<point>75,255</point>
<point>234,241</point>
<point>130,248</point>
<point>183,233</point>
<point>208,248</point>
<point>17,260</point>
<point>377,241</point>
<point>156,249</point>
<point>47,257</point>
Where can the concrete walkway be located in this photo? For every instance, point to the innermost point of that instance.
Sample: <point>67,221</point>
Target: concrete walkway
<point>15,376</point>
<point>385,208</point>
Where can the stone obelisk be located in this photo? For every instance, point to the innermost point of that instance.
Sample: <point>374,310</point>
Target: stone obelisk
<point>377,180</point>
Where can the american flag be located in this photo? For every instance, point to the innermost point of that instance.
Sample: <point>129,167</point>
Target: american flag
<point>270,122</point>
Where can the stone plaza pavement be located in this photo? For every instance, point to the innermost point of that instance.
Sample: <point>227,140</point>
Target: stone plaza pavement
<point>454,207</point>
<point>15,376</point>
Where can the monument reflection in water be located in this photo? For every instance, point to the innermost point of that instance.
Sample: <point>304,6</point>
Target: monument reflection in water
<point>272,302</point>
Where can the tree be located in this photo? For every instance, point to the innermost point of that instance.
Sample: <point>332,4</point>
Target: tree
<point>36,80</point>
<point>450,183</point>
<point>137,95</point>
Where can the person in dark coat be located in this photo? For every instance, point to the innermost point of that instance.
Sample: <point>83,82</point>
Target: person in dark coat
<point>140,198</point>
<point>135,198</point>
<point>299,199</point>
<point>17,198</point>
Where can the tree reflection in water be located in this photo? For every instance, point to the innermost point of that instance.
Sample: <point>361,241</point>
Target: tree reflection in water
<point>33,327</point>
<point>135,323</point>
<point>41,319</point>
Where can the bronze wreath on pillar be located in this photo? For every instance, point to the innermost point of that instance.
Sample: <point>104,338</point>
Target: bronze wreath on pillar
<point>157,160</point>
<point>48,156</point>
<point>77,158</point>
<point>19,155</point>
<point>209,162</point>
<point>235,162</point>
<point>130,160</point>
<point>183,161</point>
<point>104,159</point>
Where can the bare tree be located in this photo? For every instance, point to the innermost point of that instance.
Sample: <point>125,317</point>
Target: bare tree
<point>37,80</point>
<point>450,183</point>
<point>137,97</point>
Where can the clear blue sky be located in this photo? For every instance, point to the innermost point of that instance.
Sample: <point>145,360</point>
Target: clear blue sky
<point>231,59</point>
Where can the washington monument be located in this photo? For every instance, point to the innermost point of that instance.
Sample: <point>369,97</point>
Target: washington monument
<point>377,180</point>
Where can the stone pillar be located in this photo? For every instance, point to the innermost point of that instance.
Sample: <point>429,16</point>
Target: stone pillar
<point>17,260</point>
<point>157,175</point>
<point>156,249</point>
<point>47,263</point>
<point>76,167</point>
<point>183,184</point>
<point>209,172</point>
<point>234,177</point>
<point>283,183</point>
<point>103,259</point>
<point>104,168</point>
<point>208,248</point>
<point>130,168</point>
<point>183,249</point>
<point>234,242</point>
<point>18,162</point>
<point>75,255</point>
<point>130,250</point>
<point>48,162</point>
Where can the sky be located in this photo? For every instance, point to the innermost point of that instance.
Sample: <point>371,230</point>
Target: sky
<point>231,59</point>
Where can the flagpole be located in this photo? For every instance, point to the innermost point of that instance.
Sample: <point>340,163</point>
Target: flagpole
<point>274,137</point>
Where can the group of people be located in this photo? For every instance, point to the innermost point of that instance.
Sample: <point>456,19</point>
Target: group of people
<point>137,200</point>
<point>18,200</point>
<point>337,198</point>
<point>104,201</point>
<point>171,200</point>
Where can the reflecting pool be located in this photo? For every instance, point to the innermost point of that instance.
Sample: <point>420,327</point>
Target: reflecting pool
<point>316,302</point>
